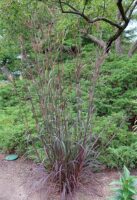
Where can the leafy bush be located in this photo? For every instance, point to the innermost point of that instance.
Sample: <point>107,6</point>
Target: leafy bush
<point>13,112</point>
<point>117,144</point>
<point>12,130</point>
<point>117,87</point>
<point>126,186</point>
<point>116,157</point>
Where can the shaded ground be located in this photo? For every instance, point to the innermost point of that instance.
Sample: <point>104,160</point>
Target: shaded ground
<point>23,180</point>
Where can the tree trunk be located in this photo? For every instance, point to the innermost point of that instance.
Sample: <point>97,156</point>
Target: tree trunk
<point>132,49</point>
<point>118,45</point>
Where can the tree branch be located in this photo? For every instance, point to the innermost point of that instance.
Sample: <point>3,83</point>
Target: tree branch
<point>119,31</point>
<point>105,20</point>
<point>113,38</point>
<point>129,6</point>
<point>94,39</point>
<point>130,11</point>
<point>126,16</point>
<point>121,10</point>
<point>91,21</point>
<point>73,11</point>
<point>86,1</point>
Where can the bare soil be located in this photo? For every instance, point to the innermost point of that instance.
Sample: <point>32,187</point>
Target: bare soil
<point>24,180</point>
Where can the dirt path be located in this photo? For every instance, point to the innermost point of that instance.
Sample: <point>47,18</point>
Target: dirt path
<point>23,180</point>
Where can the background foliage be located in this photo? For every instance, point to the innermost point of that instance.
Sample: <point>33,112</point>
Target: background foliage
<point>116,93</point>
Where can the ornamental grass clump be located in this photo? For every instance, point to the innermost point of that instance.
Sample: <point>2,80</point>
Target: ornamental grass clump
<point>62,139</point>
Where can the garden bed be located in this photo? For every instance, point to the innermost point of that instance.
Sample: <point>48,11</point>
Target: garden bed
<point>22,180</point>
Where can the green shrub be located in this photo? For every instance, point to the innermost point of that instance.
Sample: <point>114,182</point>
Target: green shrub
<point>11,130</point>
<point>116,90</point>
<point>121,148</point>
<point>13,113</point>
<point>116,157</point>
<point>126,186</point>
